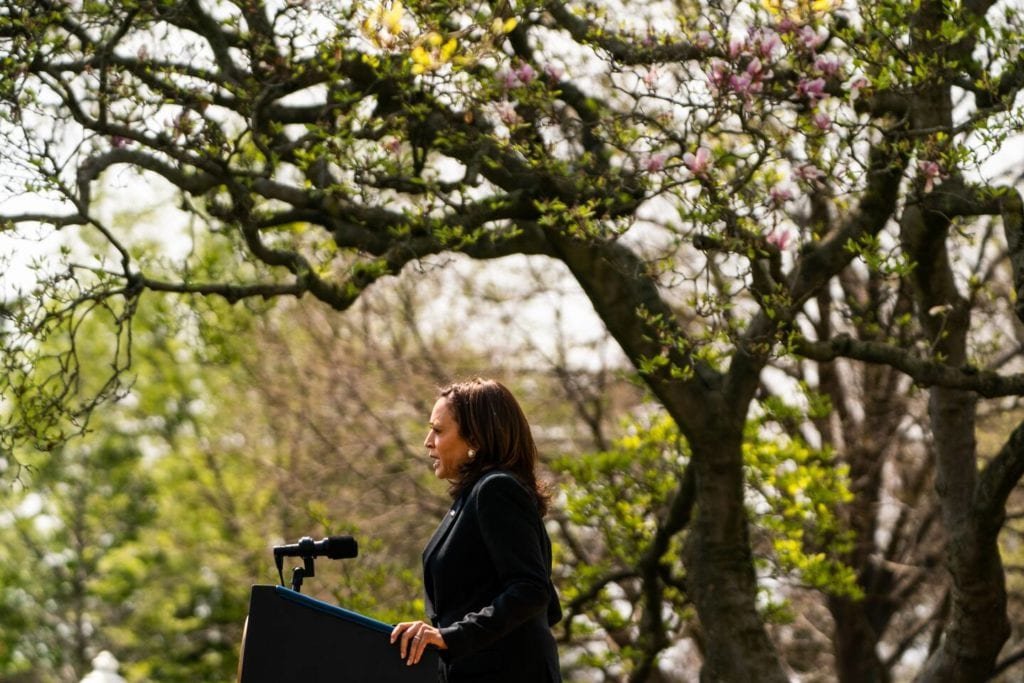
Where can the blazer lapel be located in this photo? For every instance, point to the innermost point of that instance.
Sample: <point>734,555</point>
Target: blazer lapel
<point>442,530</point>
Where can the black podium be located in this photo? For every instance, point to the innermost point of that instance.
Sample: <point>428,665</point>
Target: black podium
<point>292,637</point>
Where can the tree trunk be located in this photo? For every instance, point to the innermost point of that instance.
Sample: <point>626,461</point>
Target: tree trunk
<point>719,562</point>
<point>718,557</point>
<point>855,643</point>
<point>978,624</point>
<point>859,624</point>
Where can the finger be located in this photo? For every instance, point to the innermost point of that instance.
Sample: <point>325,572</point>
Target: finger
<point>408,640</point>
<point>398,630</point>
<point>429,636</point>
<point>421,646</point>
<point>416,651</point>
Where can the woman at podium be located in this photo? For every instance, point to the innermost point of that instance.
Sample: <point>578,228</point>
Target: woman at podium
<point>487,568</point>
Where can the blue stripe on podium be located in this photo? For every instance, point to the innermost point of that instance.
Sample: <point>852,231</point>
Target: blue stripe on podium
<point>339,612</point>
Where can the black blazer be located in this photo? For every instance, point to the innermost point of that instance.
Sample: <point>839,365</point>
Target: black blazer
<point>487,574</point>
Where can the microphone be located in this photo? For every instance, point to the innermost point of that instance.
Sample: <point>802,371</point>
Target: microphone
<point>332,547</point>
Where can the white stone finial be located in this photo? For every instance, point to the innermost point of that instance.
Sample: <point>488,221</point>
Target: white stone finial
<point>104,669</point>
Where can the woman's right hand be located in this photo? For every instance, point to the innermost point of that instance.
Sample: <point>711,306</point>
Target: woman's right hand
<point>414,637</point>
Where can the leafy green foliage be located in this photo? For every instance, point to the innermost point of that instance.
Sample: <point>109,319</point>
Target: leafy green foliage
<point>623,492</point>
<point>84,506</point>
<point>800,494</point>
<point>614,502</point>
<point>144,534</point>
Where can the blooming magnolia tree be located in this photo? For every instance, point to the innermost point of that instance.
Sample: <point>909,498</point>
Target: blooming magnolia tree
<point>735,185</point>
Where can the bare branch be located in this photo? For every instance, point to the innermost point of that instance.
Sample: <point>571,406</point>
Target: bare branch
<point>924,372</point>
<point>625,49</point>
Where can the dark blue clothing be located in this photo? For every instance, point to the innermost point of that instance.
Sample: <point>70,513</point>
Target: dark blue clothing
<point>487,574</point>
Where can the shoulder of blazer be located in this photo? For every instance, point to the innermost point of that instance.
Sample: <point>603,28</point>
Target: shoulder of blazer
<point>523,495</point>
<point>495,475</point>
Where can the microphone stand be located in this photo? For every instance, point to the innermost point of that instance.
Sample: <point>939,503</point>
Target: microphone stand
<point>299,573</point>
<point>307,550</point>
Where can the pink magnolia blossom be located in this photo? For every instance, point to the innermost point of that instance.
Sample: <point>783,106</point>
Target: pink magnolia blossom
<point>719,74</point>
<point>118,141</point>
<point>856,85</point>
<point>755,69</point>
<point>525,73</point>
<point>779,195</point>
<point>703,40</point>
<point>813,89</point>
<point>508,79</point>
<point>822,120</point>
<point>810,39</point>
<point>651,78</point>
<point>699,163</point>
<point>745,83</point>
<point>809,173</point>
<point>553,72</point>
<point>786,25</point>
<point>767,43</point>
<point>930,171</point>
<point>779,238</point>
<point>506,111</point>
<point>827,65</point>
<point>392,146</point>
<point>522,75</point>
<point>763,42</point>
<point>655,163</point>
<point>742,84</point>
<point>737,47</point>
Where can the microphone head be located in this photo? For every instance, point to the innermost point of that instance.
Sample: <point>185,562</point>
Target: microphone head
<point>340,547</point>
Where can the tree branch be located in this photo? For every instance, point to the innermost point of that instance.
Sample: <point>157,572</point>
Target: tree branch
<point>923,371</point>
<point>878,202</point>
<point>999,478</point>
<point>625,49</point>
<point>229,292</point>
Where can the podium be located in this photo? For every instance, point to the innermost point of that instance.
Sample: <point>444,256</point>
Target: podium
<point>292,637</point>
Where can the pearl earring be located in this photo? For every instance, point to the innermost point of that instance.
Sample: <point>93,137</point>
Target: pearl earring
<point>471,453</point>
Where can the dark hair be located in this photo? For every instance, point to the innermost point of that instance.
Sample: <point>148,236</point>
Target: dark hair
<point>493,424</point>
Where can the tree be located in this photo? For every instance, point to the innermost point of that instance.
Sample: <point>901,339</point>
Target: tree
<point>57,535</point>
<point>102,541</point>
<point>301,448</point>
<point>150,528</point>
<point>705,171</point>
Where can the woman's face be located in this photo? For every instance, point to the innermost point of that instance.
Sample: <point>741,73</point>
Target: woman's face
<point>445,446</point>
